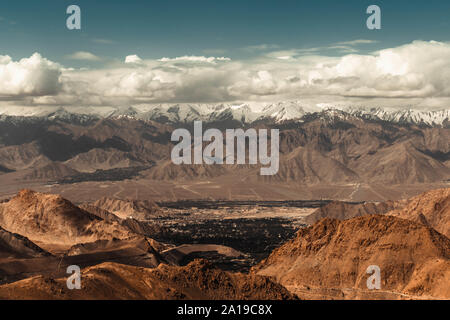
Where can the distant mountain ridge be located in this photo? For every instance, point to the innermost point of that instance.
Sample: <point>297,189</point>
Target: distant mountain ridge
<point>245,113</point>
<point>327,147</point>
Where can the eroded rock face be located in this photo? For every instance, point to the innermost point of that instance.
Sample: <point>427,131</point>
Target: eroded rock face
<point>51,219</point>
<point>431,208</point>
<point>334,255</point>
<point>198,280</point>
<point>341,210</point>
<point>13,245</point>
<point>140,210</point>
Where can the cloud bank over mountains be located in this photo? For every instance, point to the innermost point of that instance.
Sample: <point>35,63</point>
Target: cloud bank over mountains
<point>33,76</point>
<point>416,74</point>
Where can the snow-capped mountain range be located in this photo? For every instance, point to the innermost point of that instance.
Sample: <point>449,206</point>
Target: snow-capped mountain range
<point>244,113</point>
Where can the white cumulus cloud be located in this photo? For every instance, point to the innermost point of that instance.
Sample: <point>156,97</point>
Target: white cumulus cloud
<point>83,55</point>
<point>133,59</point>
<point>416,73</point>
<point>33,76</point>
<point>195,59</point>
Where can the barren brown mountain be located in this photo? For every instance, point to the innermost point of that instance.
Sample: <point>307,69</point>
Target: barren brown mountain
<point>431,208</point>
<point>198,280</point>
<point>99,212</point>
<point>311,166</point>
<point>24,156</point>
<point>342,210</point>
<point>332,148</point>
<point>137,209</point>
<point>167,170</point>
<point>19,263</point>
<point>375,151</point>
<point>400,163</point>
<point>139,227</point>
<point>50,172</point>
<point>16,246</point>
<point>52,220</point>
<point>330,258</point>
<point>103,159</point>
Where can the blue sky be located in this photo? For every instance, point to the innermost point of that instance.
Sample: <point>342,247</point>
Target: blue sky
<point>210,51</point>
<point>152,29</point>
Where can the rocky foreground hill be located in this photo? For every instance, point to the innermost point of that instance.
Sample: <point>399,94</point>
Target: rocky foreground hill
<point>120,261</point>
<point>197,281</point>
<point>54,221</point>
<point>330,259</point>
<point>431,208</point>
<point>407,239</point>
<point>41,234</point>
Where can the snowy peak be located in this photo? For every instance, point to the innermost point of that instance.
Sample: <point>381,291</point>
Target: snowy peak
<point>124,112</point>
<point>284,111</point>
<point>244,113</point>
<point>174,113</point>
<point>408,116</point>
<point>238,112</point>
